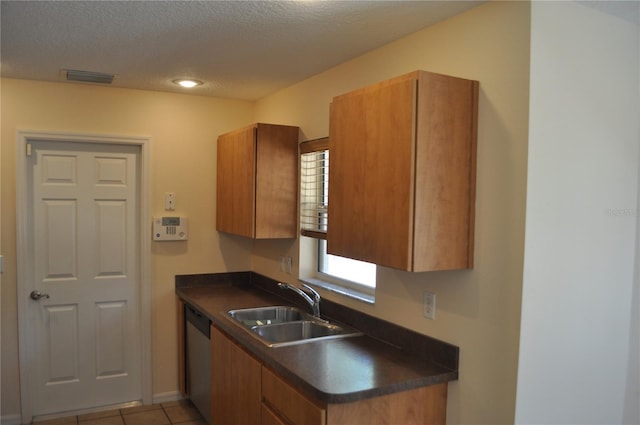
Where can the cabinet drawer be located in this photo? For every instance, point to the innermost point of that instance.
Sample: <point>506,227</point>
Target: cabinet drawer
<point>289,403</point>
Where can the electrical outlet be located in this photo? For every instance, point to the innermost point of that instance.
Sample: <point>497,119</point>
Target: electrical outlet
<point>429,305</point>
<point>285,264</point>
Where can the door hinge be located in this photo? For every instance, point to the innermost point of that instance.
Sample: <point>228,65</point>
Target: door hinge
<point>28,149</point>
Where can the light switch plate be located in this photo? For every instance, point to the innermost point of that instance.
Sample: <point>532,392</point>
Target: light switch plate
<point>169,201</point>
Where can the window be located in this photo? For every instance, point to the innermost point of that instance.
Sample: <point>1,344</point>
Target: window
<point>314,189</point>
<point>358,272</point>
<point>339,274</point>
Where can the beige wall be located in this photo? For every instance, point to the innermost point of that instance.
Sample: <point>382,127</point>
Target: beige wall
<point>478,310</point>
<point>183,130</point>
<point>582,211</point>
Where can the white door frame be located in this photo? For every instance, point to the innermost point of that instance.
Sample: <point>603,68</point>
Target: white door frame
<point>23,233</point>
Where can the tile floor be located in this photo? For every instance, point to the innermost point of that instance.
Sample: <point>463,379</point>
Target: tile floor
<point>176,412</point>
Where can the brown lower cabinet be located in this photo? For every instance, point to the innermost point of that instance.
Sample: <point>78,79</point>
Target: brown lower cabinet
<point>244,391</point>
<point>236,391</point>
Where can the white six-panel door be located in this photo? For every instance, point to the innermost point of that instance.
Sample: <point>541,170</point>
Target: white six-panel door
<point>86,325</point>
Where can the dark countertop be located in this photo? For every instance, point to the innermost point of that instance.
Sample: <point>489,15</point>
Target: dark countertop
<point>332,371</point>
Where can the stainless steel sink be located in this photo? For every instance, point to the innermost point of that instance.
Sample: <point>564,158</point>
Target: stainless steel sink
<point>279,325</point>
<point>267,315</point>
<point>293,331</point>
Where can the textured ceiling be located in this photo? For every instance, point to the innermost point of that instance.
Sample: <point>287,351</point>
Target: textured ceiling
<point>240,49</point>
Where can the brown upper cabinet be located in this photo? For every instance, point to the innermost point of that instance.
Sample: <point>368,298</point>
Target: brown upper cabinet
<point>402,173</point>
<point>257,187</point>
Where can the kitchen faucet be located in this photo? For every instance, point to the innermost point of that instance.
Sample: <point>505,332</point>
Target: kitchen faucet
<point>313,302</point>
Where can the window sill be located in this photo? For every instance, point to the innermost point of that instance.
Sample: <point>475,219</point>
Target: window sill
<point>347,292</point>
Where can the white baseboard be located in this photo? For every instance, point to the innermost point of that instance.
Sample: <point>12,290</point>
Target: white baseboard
<point>164,397</point>
<point>11,420</point>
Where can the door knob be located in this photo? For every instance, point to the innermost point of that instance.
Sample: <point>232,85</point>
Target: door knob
<point>36,295</point>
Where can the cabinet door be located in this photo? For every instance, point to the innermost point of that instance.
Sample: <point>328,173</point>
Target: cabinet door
<point>371,187</point>
<point>236,167</point>
<point>258,182</point>
<point>235,383</point>
<point>276,182</point>
<point>402,173</point>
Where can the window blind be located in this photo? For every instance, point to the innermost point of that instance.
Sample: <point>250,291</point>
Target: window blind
<point>314,188</point>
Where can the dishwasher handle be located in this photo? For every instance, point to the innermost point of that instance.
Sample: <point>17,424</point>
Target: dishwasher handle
<point>198,320</point>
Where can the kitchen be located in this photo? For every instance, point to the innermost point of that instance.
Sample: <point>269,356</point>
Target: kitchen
<point>498,44</point>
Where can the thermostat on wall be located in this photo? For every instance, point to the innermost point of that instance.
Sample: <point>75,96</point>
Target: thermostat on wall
<point>170,229</point>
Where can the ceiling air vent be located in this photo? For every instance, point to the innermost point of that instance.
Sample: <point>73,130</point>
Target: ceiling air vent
<point>89,77</point>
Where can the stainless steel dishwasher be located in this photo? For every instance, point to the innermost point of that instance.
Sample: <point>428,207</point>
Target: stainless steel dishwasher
<point>199,361</point>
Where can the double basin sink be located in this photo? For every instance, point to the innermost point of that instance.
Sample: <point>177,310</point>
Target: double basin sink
<point>276,326</point>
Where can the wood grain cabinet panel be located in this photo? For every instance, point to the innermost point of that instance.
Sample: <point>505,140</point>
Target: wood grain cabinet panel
<point>427,405</point>
<point>235,383</point>
<point>244,391</point>
<point>257,181</point>
<point>282,403</point>
<point>402,174</point>
<point>282,398</point>
<point>269,417</point>
<point>183,370</point>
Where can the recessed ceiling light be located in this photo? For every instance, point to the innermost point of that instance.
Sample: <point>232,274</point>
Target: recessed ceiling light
<point>187,83</point>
